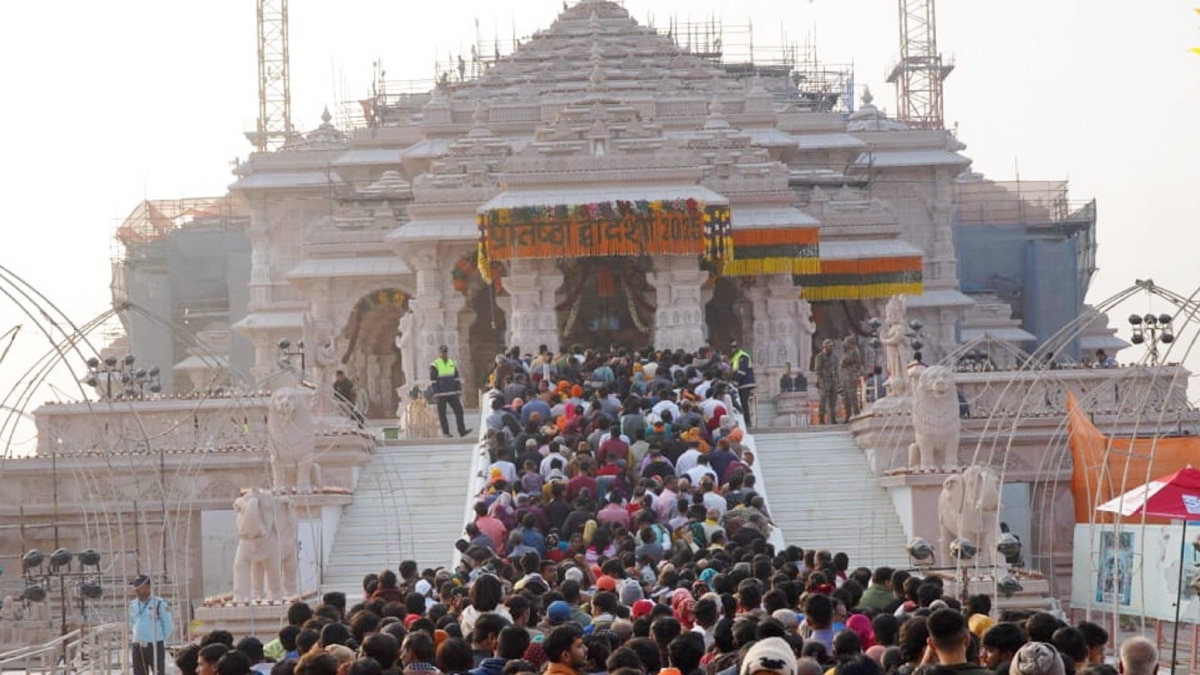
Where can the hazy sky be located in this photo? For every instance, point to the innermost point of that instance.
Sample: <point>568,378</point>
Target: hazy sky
<point>107,103</point>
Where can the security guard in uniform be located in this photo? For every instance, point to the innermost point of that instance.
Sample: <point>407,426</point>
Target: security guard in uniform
<point>743,375</point>
<point>447,389</point>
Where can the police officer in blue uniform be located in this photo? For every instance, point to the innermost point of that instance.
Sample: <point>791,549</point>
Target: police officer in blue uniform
<point>150,625</point>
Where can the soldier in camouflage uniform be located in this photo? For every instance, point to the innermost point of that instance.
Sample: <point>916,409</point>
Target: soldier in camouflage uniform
<point>852,371</point>
<point>825,365</point>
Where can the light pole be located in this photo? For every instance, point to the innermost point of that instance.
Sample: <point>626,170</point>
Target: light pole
<point>131,382</point>
<point>39,573</point>
<point>287,353</point>
<point>1158,328</point>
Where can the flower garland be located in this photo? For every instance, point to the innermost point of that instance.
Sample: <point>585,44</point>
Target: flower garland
<point>573,315</point>
<point>483,262</point>
<point>718,234</point>
<point>460,276</point>
<point>633,310</point>
<point>388,297</point>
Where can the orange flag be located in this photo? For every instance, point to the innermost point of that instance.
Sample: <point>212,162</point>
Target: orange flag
<point>1105,467</point>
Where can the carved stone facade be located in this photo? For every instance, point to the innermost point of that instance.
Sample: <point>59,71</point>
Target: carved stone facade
<point>593,109</point>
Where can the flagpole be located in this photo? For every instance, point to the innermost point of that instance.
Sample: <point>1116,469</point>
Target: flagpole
<point>1178,598</point>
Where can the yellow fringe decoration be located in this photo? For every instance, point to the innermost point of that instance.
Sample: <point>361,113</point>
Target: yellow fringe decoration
<point>760,266</point>
<point>861,291</point>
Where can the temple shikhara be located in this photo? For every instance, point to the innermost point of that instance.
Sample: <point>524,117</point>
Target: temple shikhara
<point>606,184</point>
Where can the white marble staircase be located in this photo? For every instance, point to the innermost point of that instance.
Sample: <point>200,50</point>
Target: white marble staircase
<point>822,494</point>
<point>408,505</point>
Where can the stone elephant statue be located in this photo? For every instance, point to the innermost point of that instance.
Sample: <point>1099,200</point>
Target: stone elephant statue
<point>935,421</point>
<point>265,566</point>
<point>290,442</point>
<point>969,507</point>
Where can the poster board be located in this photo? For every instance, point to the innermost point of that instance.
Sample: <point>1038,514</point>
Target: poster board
<point>1134,570</point>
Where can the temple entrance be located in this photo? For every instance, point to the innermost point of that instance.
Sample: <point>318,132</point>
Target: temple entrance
<point>370,356</point>
<point>724,314</point>
<point>606,301</point>
<point>486,338</point>
<point>835,319</point>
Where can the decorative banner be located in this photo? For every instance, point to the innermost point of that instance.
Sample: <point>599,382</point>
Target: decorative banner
<point>620,228</point>
<point>863,279</point>
<point>791,250</point>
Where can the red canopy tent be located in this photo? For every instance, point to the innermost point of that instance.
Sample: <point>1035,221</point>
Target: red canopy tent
<point>1174,496</point>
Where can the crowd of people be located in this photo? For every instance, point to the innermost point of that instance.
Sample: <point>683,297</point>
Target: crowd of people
<point>620,532</point>
<point>730,612</point>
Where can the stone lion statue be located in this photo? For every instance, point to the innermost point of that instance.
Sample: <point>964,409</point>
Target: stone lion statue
<point>290,441</point>
<point>969,507</point>
<point>935,421</point>
<point>265,566</point>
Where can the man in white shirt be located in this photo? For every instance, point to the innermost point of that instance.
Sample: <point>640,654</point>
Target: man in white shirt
<point>503,463</point>
<point>554,458</point>
<point>667,403</point>
<point>697,473</point>
<point>687,461</point>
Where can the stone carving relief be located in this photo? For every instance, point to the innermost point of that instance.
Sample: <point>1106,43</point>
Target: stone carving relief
<point>267,558</point>
<point>935,420</point>
<point>405,338</point>
<point>290,442</point>
<point>320,351</point>
<point>895,343</point>
<point>969,507</point>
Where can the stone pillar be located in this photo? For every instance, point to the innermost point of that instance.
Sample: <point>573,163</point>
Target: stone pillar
<point>679,319</point>
<point>532,321</point>
<point>782,330</point>
<point>260,260</point>
<point>435,310</point>
<point>265,356</point>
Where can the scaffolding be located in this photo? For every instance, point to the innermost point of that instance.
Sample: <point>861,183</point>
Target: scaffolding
<point>274,125</point>
<point>793,72</point>
<point>1043,208</point>
<point>389,103</point>
<point>399,102</point>
<point>154,219</point>
<point>919,74</point>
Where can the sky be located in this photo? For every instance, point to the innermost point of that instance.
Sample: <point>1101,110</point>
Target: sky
<point>110,103</point>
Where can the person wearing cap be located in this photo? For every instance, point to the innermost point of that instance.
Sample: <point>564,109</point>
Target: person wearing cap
<point>1038,658</point>
<point>150,624</point>
<point>447,389</point>
<point>825,364</point>
<point>769,655</point>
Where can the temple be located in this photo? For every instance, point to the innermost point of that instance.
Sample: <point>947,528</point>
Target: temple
<point>600,185</point>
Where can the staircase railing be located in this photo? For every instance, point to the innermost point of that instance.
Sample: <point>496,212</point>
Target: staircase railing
<point>775,537</point>
<point>480,459</point>
<point>90,650</point>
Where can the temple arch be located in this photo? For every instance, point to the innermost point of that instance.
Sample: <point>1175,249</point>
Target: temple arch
<point>369,353</point>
